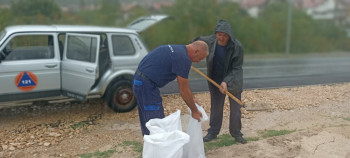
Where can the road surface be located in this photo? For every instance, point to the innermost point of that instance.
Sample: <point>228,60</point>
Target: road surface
<point>279,72</point>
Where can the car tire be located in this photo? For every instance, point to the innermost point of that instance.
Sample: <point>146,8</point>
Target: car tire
<point>120,97</point>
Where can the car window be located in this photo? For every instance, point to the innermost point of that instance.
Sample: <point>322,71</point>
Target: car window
<point>122,45</point>
<point>29,47</point>
<point>82,48</point>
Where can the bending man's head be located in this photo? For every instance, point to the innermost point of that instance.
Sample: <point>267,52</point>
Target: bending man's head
<point>197,51</point>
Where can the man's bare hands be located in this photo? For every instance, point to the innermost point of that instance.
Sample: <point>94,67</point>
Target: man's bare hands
<point>223,88</point>
<point>197,115</point>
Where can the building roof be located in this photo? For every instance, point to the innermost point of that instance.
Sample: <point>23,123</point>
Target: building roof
<point>252,3</point>
<point>306,4</point>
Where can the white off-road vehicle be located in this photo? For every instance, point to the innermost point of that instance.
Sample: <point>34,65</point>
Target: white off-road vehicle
<point>44,61</point>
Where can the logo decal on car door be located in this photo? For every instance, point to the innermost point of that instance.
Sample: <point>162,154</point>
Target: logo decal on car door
<point>26,81</point>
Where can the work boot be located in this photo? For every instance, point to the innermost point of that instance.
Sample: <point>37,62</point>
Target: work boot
<point>240,139</point>
<point>209,137</point>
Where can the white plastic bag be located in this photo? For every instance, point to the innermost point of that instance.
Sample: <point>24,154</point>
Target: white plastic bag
<point>167,124</point>
<point>195,148</point>
<point>165,145</point>
<point>166,139</point>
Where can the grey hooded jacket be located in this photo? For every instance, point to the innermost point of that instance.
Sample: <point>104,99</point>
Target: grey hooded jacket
<point>233,73</point>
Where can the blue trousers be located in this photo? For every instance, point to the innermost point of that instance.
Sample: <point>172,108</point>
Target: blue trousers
<point>149,101</point>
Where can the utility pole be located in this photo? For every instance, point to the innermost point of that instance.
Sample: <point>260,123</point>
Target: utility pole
<point>289,27</point>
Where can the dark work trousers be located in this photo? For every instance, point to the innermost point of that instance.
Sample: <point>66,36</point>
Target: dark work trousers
<point>216,112</point>
<point>149,101</point>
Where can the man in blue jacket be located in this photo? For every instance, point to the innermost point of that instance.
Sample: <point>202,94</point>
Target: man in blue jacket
<point>158,68</point>
<point>224,66</point>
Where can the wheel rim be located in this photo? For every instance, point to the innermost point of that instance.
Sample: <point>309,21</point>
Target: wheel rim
<point>123,96</point>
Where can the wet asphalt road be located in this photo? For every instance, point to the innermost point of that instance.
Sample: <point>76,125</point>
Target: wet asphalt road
<point>280,72</point>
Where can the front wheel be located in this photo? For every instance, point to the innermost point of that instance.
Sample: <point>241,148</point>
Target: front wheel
<point>120,96</point>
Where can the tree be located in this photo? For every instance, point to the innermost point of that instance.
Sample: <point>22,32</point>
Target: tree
<point>5,17</point>
<point>35,11</point>
<point>192,18</point>
<point>308,35</point>
<point>266,34</point>
<point>106,15</point>
<point>109,11</point>
<point>130,15</point>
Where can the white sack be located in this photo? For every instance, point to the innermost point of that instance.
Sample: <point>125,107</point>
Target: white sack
<point>195,148</point>
<point>164,145</point>
<point>167,124</point>
<point>166,138</point>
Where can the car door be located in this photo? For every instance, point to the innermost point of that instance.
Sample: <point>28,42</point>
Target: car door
<point>143,23</point>
<point>31,67</point>
<point>79,64</point>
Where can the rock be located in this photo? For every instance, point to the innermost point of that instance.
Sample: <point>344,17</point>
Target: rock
<point>20,146</point>
<point>29,144</point>
<point>5,147</point>
<point>47,144</point>
<point>12,148</point>
<point>54,134</point>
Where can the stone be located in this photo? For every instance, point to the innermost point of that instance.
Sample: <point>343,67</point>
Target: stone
<point>5,147</point>
<point>12,148</point>
<point>54,134</point>
<point>47,144</point>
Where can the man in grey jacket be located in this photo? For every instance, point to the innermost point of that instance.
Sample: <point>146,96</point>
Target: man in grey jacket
<point>224,66</point>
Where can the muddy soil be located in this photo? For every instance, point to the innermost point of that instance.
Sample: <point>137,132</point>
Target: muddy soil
<point>319,114</point>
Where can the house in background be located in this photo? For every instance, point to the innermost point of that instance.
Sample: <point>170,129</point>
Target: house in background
<point>253,7</point>
<point>335,10</point>
<point>318,9</point>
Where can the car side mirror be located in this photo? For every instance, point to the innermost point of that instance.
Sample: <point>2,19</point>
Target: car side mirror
<point>7,48</point>
<point>5,52</point>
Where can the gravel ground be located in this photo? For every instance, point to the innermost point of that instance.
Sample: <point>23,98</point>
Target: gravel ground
<point>319,113</point>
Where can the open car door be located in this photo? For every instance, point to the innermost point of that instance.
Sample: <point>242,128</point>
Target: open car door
<point>79,64</point>
<point>143,23</point>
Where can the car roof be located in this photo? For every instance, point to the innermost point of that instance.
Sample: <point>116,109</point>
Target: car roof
<point>64,28</point>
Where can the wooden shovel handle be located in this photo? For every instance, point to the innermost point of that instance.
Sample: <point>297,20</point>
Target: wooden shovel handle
<point>218,86</point>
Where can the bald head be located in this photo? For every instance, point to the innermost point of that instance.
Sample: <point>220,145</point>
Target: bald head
<point>197,50</point>
<point>202,46</point>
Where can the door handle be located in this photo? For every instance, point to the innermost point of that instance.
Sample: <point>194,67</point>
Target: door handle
<point>50,65</point>
<point>90,70</point>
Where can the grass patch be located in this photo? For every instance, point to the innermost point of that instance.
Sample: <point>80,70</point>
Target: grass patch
<point>347,119</point>
<point>252,139</point>
<point>272,133</point>
<point>78,125</point>
<point>224,140</point>
<point>136,146</point>
<point>98,154</point>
